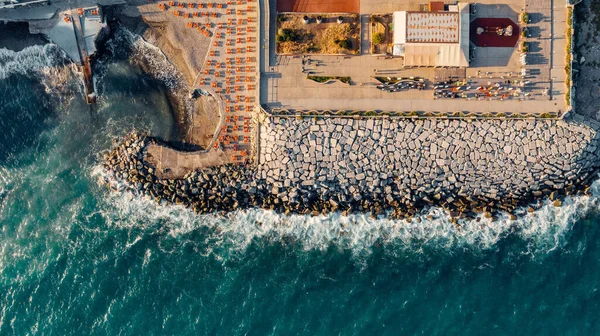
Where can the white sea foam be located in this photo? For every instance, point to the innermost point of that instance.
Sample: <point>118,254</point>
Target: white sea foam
<point>154,61</point>
<point>162,69</point>
<point>142,51</point>
<point>59,82</point>
<point>32,59</point>
<point>545,230</point>
<point>49,64</point>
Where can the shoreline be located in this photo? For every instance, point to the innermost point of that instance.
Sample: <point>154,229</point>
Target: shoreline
<point>197,118</point>
<point>21,38</point>
<point>137,26</point>
<point>227,188</point>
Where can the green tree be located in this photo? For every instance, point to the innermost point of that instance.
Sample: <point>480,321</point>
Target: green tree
<point>346,44</point>
<point>286,34</point>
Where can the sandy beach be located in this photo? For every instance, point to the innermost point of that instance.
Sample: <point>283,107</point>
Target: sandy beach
<point>186,50</point>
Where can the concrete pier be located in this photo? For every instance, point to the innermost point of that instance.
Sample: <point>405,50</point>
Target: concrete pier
<point>76,33</point>
<point>79,19</point>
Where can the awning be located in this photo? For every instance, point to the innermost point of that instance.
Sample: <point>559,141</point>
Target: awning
<point>425,54</point>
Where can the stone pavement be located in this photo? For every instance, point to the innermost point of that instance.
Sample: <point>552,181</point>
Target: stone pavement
<point>279,89</point>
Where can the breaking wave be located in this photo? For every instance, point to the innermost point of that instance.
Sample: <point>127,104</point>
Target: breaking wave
<point>47,62</point>
<point>544,230</point>
<point>41,59</point>
<point>30,59</point>
<point>125,44</point>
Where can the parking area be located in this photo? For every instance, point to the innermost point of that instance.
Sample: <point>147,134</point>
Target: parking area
<point>495,81</point>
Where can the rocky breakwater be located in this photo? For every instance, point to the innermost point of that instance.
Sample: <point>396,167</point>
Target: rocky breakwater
<point>461,165</point>
<point>382,166</point>
<point>207,190</point>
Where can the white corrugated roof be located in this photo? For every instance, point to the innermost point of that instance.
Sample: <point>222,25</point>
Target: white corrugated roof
<point>432,27</point>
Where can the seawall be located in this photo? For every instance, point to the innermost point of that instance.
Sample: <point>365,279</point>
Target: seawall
<point>382,166</point>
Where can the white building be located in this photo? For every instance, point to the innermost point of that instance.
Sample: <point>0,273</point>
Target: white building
<point>433,39</point>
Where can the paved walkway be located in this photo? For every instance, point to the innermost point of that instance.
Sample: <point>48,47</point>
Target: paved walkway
<point>280,89</point>
<point>171,163</point>
<point>441,105</point>
<point>539,57</point>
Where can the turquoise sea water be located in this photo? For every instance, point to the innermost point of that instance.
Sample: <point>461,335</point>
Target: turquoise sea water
<point>78,259</point>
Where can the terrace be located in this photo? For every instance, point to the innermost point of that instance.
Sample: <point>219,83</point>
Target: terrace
<point>496,82</point>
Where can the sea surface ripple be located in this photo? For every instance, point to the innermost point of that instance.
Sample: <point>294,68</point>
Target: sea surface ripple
<point>78,259</point>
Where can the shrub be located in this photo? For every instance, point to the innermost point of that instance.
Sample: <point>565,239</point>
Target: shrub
<point>525,17</point>
<point>377,38</point>
<point>323,79</point>
<point>391,80</point>
<point>346,44</point>
<point>345,79</point>
<point>568,59</point>
<point>286,35</point>
<point>320,79</point>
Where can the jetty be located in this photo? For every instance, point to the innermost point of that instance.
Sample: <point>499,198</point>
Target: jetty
<point>76,33</point>
<point>86,18</point>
